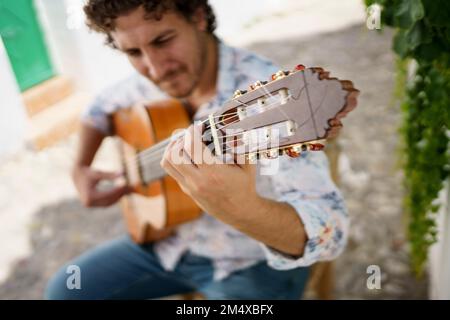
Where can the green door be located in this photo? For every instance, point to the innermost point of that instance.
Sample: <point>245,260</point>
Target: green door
<point>24,43</point>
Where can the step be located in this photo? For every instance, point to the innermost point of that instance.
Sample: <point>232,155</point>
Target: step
<point>47,94</point>
<point>56,122</point>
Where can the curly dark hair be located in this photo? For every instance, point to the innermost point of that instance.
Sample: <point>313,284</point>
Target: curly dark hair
<point>102,13</point>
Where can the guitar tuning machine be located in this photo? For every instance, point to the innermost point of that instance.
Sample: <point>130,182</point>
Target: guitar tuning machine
<point>296,150</point>
<point>315,146</point>
<point>239,93</point>
<point>299,67</point>
<point>258,84</point>
<point>272,154</point>
<point>280,74</point>
<point>299,148</point>
<point>291,153</point>
<point>252,157</point>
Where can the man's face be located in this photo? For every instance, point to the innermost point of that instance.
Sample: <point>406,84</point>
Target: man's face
<point>170,52</point>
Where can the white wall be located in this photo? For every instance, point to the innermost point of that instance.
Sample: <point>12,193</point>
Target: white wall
<point>82,55</point>
<point>13,120</point>
<point>77,52</point>
<point>233,15</point>
<point>440,252</point>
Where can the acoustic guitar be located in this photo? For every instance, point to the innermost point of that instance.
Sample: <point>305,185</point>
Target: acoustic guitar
<point>294,111</point>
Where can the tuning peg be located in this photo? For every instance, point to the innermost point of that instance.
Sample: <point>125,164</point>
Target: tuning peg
<point>315,146</point>
<point>291,153</point>
<point>271,154</point>
<point>299,67</point>
<point>296,150</point>
<point>280,74</point>
<point>252,157</point>
<point>258,84</point>
<point>239,93</point>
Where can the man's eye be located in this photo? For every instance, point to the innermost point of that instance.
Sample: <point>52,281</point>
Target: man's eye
<point>163,41</point>
<point>134,53</point>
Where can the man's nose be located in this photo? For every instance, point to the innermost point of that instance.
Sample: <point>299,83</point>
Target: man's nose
<point>155,65</point>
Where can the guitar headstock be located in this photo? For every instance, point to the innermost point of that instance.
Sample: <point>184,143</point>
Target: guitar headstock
<point>292,112</point>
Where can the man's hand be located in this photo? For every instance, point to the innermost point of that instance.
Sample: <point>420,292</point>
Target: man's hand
<point>218,188</point>
<point>228,192</point>
<point>86,181</point>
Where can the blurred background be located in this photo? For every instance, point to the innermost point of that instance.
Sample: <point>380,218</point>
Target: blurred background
<point>51,66</point>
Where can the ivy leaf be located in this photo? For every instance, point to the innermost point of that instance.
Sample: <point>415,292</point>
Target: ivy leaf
<point>428,52</point>
<point>400,44</point>
<point>387,12</point>
<point>423,34</point>
<point>445,38</point>
<point>408,12</point>
<point>417,10</point>
<point>438,12</point>
<point>417,35</point>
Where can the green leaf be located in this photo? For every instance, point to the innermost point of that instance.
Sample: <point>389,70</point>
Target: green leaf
<point>417,10</point>
<point>428,52</point>
<point>400,44</point>
<point>417,35</point>
<point>437,12</point>
<point>408,12</point>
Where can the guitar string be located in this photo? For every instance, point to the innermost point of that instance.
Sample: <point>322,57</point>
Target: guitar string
<point>146,156</point>
<point>164,143</point>
<point>240,139</point>
<point>236,140</point>
<point>148,159</point>
<point>228,116</point>
<point>150,154</point>
<point>158,156</point>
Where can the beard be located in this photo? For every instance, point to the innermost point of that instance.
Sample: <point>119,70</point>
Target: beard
<point>181,81</point>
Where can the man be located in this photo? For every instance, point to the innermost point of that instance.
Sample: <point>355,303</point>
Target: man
<point>258,233</point>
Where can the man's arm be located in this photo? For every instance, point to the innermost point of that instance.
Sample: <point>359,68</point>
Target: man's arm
<point>90,141</point>
<point>273,223</point>
<point>86,179</point>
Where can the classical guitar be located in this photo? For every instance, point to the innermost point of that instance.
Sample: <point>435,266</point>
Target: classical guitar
<point>294,111</point>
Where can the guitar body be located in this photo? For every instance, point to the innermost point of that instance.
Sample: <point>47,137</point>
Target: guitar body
<point>153,208</point>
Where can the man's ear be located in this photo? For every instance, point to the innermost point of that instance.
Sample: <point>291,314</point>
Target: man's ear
<point>199,19</point>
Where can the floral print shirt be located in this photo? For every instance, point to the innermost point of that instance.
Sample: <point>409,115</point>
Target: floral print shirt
<point>302,182</point>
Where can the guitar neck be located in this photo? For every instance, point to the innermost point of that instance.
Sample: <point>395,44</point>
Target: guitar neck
<point>286,115</point>
<point>149,160</point>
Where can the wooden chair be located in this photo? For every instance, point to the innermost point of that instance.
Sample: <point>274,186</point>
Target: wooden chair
<point>321,281</point>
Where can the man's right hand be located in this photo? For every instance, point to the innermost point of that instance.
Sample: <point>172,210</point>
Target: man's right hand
<point>86,181</point>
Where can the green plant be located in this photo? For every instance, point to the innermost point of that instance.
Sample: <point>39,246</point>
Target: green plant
<point>422,35</point>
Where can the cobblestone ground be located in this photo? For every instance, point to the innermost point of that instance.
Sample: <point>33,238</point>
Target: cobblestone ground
<point>370,180</point>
